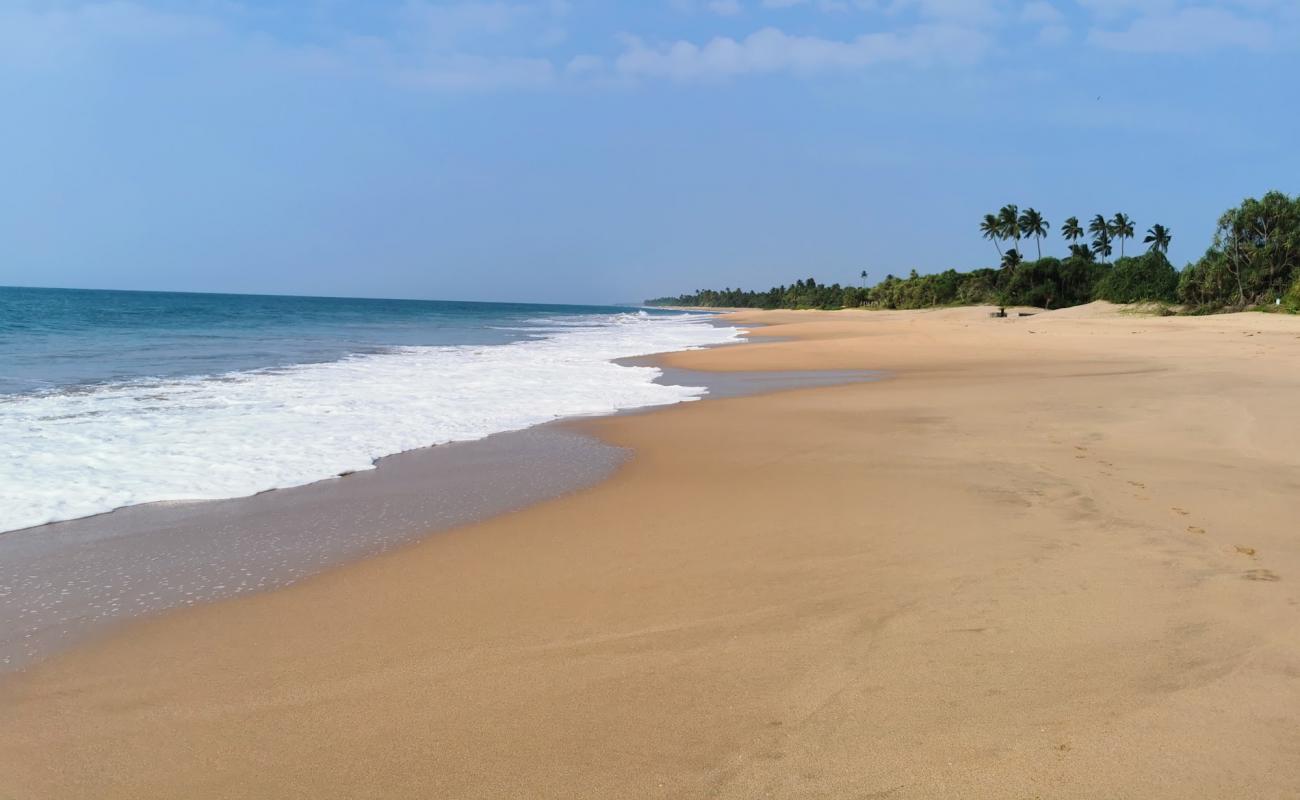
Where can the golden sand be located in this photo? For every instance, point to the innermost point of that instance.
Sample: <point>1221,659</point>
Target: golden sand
<point>1053,556</point>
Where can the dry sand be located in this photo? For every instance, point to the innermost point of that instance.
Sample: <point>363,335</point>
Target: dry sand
<point>1052,556</point>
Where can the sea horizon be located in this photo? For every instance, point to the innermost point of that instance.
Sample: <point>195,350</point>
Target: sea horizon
<point>312,296</point>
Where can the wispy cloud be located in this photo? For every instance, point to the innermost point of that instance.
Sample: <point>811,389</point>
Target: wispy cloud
<point>466,46</point>
<point>725,8</point>
<point>1052,24</point>
<point>46,35</point>
<point>771,50</point>
<point>483,45</point>
<point>1184,26</point>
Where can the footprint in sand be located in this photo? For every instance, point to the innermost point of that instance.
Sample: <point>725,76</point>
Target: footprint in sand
<point>1195,529</point>
<point>1184,512</point>
<point>1265,575</point>
<point>1245,551</point>
<point>1138,484</point>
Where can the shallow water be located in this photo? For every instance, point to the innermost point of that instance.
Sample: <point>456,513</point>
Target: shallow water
<point>113,399</point>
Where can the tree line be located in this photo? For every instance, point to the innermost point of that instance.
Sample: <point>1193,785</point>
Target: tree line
<point>801,294</point>
<point>1010,224</point>
<point>1253,260</point>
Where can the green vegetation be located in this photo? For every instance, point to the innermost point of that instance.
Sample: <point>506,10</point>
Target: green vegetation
<point>1144,278</point>
<point>1292,300</point>
<point>802,294</point>
<point>1254,260</point>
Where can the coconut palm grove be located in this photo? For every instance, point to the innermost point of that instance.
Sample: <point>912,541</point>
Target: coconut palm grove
<point>1253,261</point>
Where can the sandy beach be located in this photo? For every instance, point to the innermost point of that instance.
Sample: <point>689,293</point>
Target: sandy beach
<point>1051,556</point>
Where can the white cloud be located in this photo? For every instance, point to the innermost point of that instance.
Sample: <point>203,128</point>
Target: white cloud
<point>821,5</point>
<point>427,46</point>
<point>448,25</point>
<point>771,51</point>
<point>479,45</point>
<point>965,12</point>
<point>1041,12</point>
<point>1188,30</point>
<point>63,32</point>
<point>1112,9</point>
<point>1050,21</point>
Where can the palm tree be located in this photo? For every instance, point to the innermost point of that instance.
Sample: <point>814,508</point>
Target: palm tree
<point>1072,230</point>
<point>1033,224</point>
<point>1080,251</point>
<point>1009,219</point>
<point>1011,259</point>
<point>1159,237</point>
<point>991,229</point>
<point>1101,245</point>
<point>1121,227</point>
<point>1100,230</point>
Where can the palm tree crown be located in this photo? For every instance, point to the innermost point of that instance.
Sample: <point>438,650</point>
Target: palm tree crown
<point>1010,224</point>
<point>1072,230</point>
<point>1121,227</point>
<point>1101,245</point>
<point>1031,223</point>
<point>1159,237</point>
<point>991,229</point>
<point>1100,230</point>
<point>1009,219</point>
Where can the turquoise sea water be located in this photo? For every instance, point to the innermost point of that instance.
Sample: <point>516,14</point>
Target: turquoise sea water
<point>59,338</point>
<point>116,398</point>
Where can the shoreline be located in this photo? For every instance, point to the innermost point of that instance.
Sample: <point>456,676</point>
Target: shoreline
<point>314,411</point>
<point>1052,557</point>
<point>77,580</point>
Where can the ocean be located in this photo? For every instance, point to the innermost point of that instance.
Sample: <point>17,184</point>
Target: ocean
<point>110,399</point>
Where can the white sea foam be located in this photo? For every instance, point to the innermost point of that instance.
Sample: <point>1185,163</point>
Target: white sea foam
<point>75,454</point>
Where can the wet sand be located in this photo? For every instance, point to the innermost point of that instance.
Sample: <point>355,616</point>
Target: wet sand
<point>65,582</point>
<point>72,580</point>
<point>1050,556</point>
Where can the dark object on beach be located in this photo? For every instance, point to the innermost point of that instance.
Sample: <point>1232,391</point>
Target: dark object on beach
<point>1025,313</point>
<point>1001,312</point>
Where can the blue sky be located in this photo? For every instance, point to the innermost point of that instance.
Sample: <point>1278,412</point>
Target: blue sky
<point>576,150</point>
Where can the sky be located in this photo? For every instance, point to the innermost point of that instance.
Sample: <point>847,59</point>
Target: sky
<point>593,151</point>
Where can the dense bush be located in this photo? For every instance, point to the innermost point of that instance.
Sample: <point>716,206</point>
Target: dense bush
<point>1048,282</point>
<point>979,287</point>
<point>1206,283</point>
<point>926,291</point>
<point>1292,299</point>
<point>1051,283</point>
<point>1255,257</point>
<point>802,294</point>
<point>1143,278</point>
